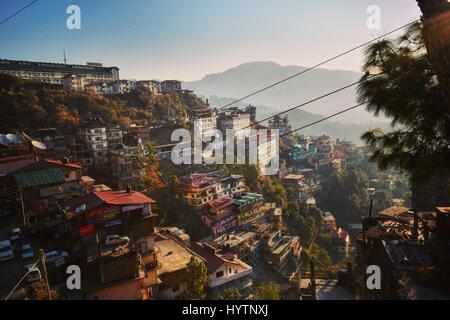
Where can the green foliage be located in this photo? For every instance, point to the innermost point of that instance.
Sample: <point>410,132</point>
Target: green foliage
<point>268,291</point>
<point>409,93</point>
<point>196,278</point>
<point>345,194</point>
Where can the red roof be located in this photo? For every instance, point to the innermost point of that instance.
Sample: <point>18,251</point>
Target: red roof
<point>67,165</point>
<point>123,197</point>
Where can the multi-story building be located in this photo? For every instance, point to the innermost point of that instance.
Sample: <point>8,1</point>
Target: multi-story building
<point>279,123</point>
<point>199,189</point>
<point>95,138</point>
<point>303,151</point>
<point>168,86</point>
<point>233,185</point>
<point>114,136</point>
<point>225,271</point>
<point>324,154</point>
<point>173,258</point>
<point>249,208</point>
<point>281,252</point>
<point>122,86</point>
<point>72,82</point>
<point>99,87</point>
<point>152,85</point>
<point>126,166</point>
<point>42,185</point>
<point>53,73</point>
<point>219,216</point>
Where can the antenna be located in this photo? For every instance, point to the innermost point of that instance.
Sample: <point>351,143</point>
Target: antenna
<point>65,59</point>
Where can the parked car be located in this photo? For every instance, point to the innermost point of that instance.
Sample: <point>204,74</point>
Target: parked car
<point>116,240</point>
<point>53,256</point>
<point>6,251</point>
<point>27,252</point>
<point>34,273</point>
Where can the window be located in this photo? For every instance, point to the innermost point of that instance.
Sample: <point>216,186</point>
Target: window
<point>219,274</point>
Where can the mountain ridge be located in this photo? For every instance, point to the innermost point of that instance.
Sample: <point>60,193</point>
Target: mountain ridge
<point>249,77</point>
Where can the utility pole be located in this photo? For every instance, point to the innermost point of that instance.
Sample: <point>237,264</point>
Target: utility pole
<point>44,271</point>
<point>22,208</point>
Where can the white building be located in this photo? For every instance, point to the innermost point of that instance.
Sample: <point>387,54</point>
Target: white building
<point>236,120</point>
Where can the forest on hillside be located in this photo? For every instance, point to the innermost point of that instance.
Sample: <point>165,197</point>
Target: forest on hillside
<point>25,106</point>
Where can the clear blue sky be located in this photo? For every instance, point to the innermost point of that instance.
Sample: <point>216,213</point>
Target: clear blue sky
<point>186,39</point>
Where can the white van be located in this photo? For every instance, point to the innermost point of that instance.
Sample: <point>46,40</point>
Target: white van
<point>6,251</point>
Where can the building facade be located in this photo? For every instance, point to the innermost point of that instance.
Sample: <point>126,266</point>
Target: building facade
<point>53,73</point>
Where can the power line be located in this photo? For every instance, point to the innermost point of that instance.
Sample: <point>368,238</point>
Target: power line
<point>318,65</point>
<point>324,119</point>
<point>18,12</point>
<point>314,100</point>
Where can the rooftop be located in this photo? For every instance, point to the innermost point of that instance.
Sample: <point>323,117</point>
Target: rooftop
<point>221,203</point>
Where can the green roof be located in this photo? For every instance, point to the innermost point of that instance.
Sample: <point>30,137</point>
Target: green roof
<point>39,178</point>
<point>248,197</point>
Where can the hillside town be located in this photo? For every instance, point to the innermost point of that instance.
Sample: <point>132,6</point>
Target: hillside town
<point>84,198</point>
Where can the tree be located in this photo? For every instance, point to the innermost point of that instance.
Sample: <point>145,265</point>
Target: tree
<point>230,294</point>
<point>408,91</point>
<point>196,278</point>
<point>268,291</point>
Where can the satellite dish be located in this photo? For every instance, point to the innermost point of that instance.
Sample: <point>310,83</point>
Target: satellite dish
<point>39,145</point>
<point>14,138</point>
<point>3,140</point>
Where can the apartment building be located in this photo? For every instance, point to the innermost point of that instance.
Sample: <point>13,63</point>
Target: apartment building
<point>219,216</point>
<point>204,120</point>
<point>236,120</point>
<point>126,166</point>
<point>225,271</point>
<point>95,137</point>
<point>249,208</point>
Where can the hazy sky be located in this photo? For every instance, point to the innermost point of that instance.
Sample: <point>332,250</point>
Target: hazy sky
<point>187,39</point>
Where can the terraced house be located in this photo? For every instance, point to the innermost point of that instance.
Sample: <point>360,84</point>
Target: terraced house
<point>198,189</point>
<point>249,208</point>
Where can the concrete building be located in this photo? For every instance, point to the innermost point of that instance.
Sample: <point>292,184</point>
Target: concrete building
<point>152,85</point>
<point>126,166</point>
<point>199,189</point>
<point>225,271</point>
<point>95,137</point>
<point>237,120</point>
<point>168,86</point>
<point>219,216</point>
<point>204,120</point>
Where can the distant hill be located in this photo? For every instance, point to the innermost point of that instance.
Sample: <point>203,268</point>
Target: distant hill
<point>245,78</point>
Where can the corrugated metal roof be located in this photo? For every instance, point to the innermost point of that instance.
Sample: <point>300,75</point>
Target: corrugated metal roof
<point>39,178</point>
